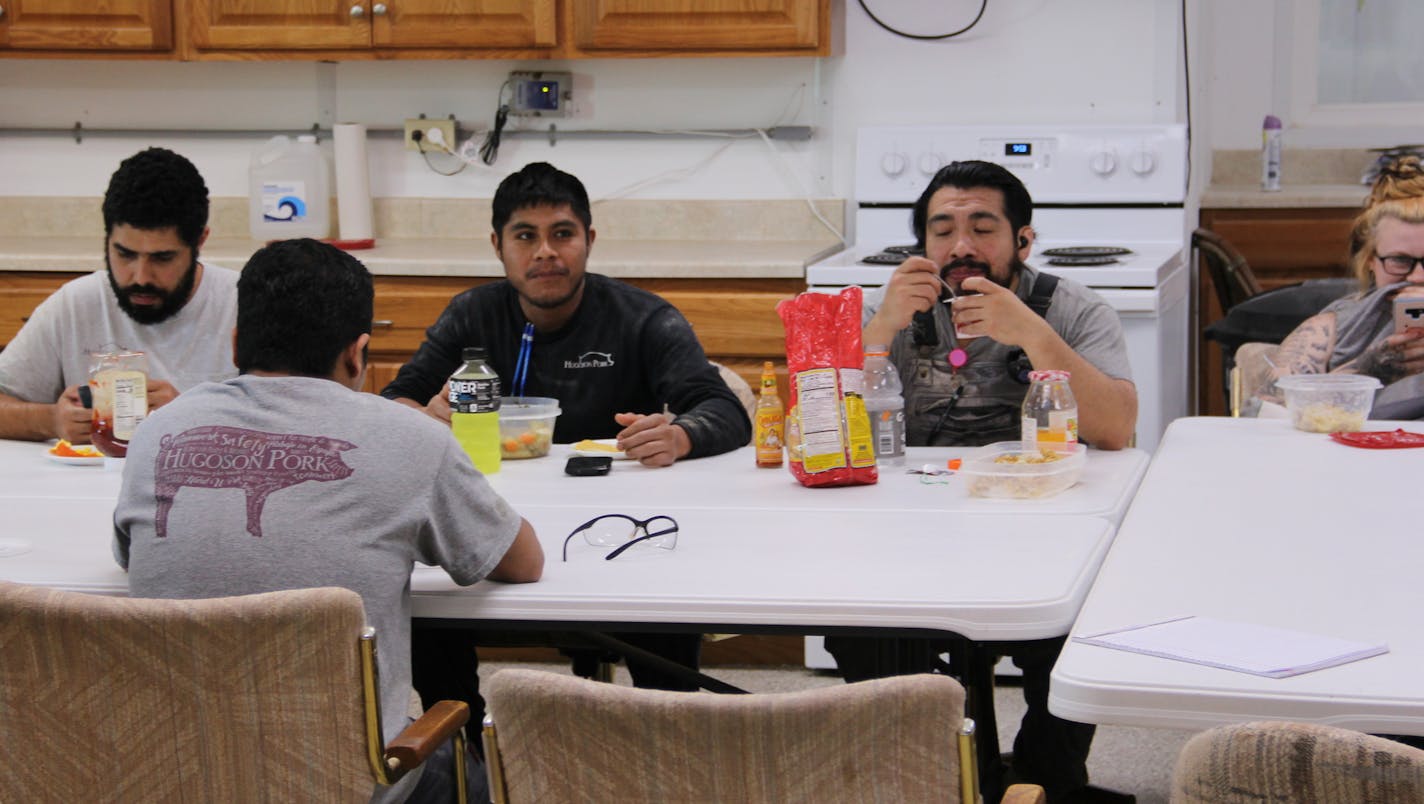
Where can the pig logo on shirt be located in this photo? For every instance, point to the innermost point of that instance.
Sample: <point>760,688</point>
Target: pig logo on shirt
<point>217,457</point>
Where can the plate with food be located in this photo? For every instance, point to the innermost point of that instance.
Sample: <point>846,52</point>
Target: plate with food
<point>75,455</point>
<point>599,447</point>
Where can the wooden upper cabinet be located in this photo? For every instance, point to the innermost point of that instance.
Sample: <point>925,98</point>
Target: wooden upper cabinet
<point>86,25</point>
<point>457,24</point>
<point>361,25</point>
<point>339,30</point>
<point>279,24</point>
<point>698,27</point>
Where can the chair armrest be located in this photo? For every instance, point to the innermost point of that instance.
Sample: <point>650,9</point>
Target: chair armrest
<point>1024,794</point>
<point>420,739</point>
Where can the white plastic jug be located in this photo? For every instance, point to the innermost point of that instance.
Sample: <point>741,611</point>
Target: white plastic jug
<point>288,193</point>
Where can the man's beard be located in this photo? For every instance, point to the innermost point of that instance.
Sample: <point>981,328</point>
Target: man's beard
<point>171,301</point>
<point>1016,267</point>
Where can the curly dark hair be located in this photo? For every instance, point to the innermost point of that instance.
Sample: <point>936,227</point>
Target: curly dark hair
<point>539,184</point>
<point>299,304</point>
<point>155,189</point>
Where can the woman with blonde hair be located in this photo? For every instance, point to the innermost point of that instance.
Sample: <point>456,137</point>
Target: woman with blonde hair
<point>1356,334</point>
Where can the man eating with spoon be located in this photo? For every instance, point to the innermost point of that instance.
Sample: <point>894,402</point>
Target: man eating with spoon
<point>964,366</point>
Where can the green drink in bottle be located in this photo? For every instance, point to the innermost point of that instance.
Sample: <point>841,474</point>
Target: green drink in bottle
<point>474,409</point>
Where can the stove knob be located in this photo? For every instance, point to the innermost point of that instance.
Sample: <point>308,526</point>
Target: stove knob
<point>1104,162</point>
<point>1143,162</point>
<point>931,162</point>
<point>893,163</point>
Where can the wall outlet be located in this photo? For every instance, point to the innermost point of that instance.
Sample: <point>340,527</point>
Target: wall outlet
<point>426,141</point>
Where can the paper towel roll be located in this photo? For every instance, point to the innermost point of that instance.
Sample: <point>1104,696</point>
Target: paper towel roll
<point>353,182</point>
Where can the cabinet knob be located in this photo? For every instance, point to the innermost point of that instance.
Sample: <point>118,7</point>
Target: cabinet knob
<point>379,9</point>
<point>357,12</point>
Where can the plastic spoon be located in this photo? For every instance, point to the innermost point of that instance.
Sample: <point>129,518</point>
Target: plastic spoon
<point>957,356</point>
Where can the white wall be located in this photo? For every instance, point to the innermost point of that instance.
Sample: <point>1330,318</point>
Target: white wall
<point>1027,60</point>
<point>1250,50</point>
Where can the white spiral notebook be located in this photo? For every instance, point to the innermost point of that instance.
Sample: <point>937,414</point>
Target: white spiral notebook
<point>1243,647</point>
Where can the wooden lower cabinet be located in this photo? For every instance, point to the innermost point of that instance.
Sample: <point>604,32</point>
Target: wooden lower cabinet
<point>1283,247</point>
<point>21,293</point>
<point>735,319</point>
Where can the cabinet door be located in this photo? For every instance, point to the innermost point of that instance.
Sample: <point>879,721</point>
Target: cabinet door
<point>20,294</point>
<point>492,24</point>
<point>280,24</point>
<point>86,25</point>
<point>692,26</point>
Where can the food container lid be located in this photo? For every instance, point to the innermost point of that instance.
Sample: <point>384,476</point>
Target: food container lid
<point>528,407</point>
<point>983,461</point>
<point>1327,382</point>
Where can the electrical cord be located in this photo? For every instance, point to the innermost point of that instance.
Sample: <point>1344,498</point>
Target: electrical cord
<point>984,4</point>
<point>489,150</point>
<point>419,137</point>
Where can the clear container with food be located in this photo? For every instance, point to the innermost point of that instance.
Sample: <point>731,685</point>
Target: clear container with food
<point>526,426</point>
<point>1328,403</point>
<point>1006,470</point>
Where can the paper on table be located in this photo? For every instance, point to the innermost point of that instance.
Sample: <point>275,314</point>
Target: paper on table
<point>1244,647</point>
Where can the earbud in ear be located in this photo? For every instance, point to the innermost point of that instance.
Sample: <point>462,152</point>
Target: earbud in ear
<point>1023,241</point>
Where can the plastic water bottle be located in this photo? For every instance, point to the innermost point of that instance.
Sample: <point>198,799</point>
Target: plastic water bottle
<point>474,409</point>
<point>885,404</point>
<point>1050,413</point>
<point>288,190</point>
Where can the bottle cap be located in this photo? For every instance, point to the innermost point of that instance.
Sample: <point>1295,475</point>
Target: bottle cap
<point>472,353</point>
<point>1271,122</point>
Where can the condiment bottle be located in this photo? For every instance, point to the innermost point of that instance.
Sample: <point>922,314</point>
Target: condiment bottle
<point>118,386</point>
<point>770,420</point>
<point>885,405</point>
<point>474,409</point>
<point>1050,414</point>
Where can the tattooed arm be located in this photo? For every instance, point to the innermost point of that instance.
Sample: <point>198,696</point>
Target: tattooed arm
<point>1307,349</point>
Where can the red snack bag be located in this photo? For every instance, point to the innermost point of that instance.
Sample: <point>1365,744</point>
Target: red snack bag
<point>828,439</point>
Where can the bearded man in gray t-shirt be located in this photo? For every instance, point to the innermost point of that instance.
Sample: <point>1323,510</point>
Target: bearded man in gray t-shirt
<point>287,476</point>
<point>973,221</point>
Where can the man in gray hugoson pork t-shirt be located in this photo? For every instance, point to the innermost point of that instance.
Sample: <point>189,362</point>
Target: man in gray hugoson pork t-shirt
<point>287,476</point>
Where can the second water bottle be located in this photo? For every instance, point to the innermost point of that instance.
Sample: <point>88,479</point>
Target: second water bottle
<point>885,404</point>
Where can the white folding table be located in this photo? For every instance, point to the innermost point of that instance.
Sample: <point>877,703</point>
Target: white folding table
<point>756,551</point>
<point>1251,520</point>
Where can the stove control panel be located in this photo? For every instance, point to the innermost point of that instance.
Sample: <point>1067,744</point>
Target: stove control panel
<point>1071,164</point>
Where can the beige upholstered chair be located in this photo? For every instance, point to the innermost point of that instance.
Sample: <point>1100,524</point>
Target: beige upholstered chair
<point>1298,763</point>
<point>559,738</point>
<point>267,697</point>
<point>740,387</point>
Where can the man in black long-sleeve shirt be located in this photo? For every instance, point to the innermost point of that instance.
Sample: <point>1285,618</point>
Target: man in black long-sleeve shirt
<point>615,356</point>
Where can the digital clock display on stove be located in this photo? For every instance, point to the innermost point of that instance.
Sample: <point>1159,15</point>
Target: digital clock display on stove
<point>1018,149</point>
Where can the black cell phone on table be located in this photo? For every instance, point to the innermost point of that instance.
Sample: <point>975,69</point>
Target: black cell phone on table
<point>588,466</point>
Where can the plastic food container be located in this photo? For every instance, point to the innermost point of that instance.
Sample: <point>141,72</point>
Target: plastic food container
<point>1328,403</point>
<point>526,426</point>
<point>1004,470</point>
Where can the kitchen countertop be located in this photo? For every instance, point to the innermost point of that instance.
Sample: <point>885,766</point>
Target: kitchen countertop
<point>680,259</point>
<point>1249,196</point>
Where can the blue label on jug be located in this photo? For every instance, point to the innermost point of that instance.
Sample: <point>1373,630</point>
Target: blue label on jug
<point>284,201</point>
